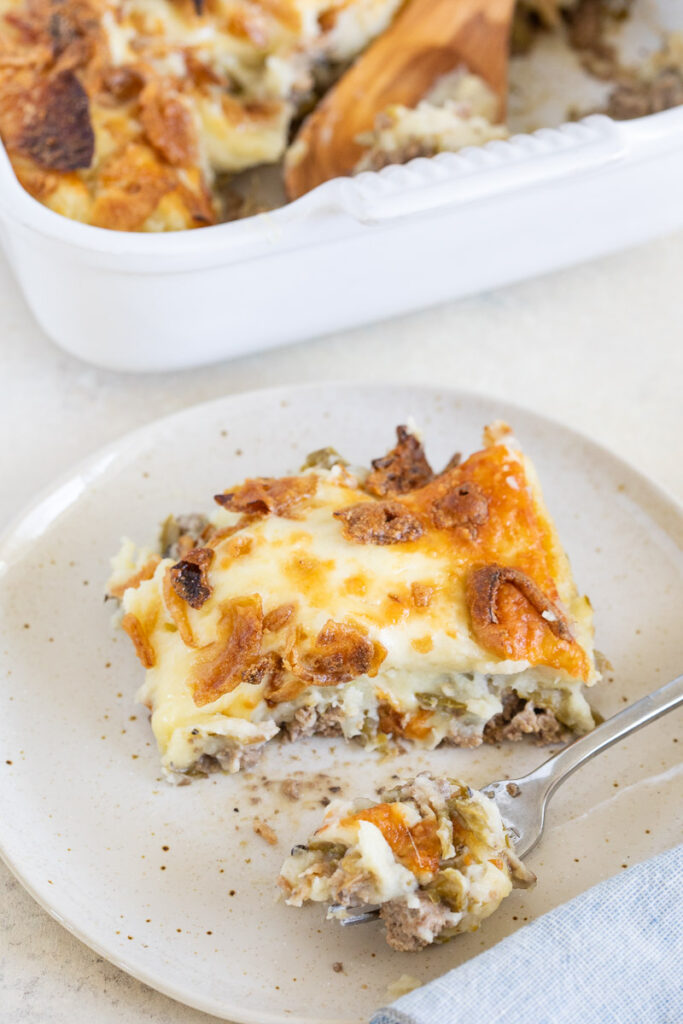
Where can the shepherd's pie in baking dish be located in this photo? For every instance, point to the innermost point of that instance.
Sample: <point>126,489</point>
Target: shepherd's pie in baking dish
<point>391,605</point>
<point>142,115</point>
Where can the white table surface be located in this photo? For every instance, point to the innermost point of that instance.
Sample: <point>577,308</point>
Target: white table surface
<point>599,347</point>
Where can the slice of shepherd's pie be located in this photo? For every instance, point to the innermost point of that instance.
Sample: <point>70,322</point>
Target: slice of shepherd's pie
<point>390,604</point>
<point>434,856</point>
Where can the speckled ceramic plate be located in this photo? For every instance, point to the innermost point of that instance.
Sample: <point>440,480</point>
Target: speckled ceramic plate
<point>172,884</point>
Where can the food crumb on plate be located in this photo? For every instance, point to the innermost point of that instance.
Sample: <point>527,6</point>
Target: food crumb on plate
<point>263,829</point>
<point>291,789</point>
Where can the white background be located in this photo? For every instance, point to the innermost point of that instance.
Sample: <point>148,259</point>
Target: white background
<point>599,347</point>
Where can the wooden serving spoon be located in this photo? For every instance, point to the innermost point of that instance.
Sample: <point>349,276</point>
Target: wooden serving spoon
<point>428,39</point>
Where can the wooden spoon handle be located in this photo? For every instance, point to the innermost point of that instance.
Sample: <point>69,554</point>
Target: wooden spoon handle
<point>428,39</point>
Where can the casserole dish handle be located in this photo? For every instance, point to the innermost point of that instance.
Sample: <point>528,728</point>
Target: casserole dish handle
<point>520,163</point>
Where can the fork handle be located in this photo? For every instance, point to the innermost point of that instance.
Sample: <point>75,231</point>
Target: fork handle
<point>559,767</point>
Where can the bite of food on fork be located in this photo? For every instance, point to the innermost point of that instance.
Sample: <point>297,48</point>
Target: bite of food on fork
<point>435,857</point>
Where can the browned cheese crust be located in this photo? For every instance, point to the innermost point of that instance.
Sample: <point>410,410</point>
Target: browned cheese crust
<point>56,75</point>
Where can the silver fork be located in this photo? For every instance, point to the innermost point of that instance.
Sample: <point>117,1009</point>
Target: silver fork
<point>522,802</point>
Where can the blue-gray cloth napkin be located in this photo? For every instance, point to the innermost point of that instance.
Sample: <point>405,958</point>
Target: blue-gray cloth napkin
<point>613,955</point>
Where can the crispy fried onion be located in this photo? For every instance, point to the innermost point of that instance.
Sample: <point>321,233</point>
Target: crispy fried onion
<point>452,463</point>
<point>402,469</point>
<point>60,137</point>
<point>282,687</point>
<point>177,609</point>
<point>185,543</point>
<point>266,670</point>
<point>63,30</point>
<point>144,573</point>
<point>379,522</point>
<point>223,665</point>
<point>168,123</point>
<point>122,83</point>
<point>464,505</point>
<point>189,576</point>
<point>483,585</point>
<point>278,617</point>
<point>143,646</point>
<point>340,653</point>
<point>281,496</point>
<point>279,685</point>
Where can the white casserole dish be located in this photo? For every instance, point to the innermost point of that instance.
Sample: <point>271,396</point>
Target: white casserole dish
<point>352,251</point>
